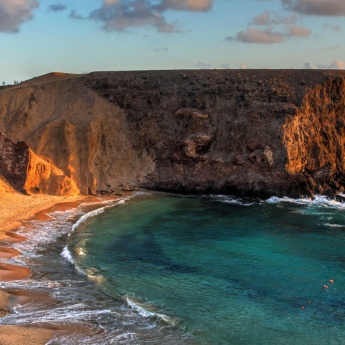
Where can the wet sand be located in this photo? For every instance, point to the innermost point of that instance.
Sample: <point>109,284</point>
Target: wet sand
<point>15,335</point>
<point>14,210</point>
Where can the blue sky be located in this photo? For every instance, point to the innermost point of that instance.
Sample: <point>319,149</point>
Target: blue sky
<point>80,36</point>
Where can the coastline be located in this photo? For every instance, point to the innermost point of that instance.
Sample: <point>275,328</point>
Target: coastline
<point>15,209</point>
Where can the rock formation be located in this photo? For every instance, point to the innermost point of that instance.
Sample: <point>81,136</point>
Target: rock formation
<point>21,169</point>
<point>249,132</point>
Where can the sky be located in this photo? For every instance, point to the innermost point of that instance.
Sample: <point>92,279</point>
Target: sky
<point>81,36</point>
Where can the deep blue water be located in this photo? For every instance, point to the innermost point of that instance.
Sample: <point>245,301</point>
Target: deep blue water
<point>221,270</point>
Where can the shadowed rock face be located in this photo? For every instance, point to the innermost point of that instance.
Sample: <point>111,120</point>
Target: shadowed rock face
<point>14,158</point>
<point>249,132</point>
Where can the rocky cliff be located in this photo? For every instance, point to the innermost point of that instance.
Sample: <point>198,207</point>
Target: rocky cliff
<point>245,132</point>
<point>27,173</point>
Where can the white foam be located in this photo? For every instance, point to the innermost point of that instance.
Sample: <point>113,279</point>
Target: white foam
<point>126,336</point>
<point>138,308</point>
<point>86,216</point>
<point>228,199</point>
<point>66,254</point>
<point>144,311</point>
<point>98,211</point>
<point>334,225</point>
<point>318,200</point>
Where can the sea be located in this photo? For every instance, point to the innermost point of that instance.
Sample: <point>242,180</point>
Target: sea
<point>158,268</point>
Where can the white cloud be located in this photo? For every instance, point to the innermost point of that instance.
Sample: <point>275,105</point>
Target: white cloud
<point>335,64</point>
<point>14,12</point>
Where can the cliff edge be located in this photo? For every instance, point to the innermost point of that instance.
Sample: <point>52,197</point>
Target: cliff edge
<point>245,132</point>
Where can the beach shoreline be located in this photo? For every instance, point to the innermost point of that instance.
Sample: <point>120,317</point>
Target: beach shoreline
<point>15,210</point>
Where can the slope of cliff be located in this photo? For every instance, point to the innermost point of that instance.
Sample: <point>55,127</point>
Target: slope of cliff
<point>248,132</point>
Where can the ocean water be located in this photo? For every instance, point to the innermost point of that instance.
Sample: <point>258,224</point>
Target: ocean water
<point>168,269</point>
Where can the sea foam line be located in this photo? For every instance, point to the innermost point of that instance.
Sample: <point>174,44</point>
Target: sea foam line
<point>146,313</point>
<point>66,253</point>
<point>318,200</point>
<point>96,212</point>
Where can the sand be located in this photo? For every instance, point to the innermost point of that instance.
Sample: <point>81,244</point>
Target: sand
<point>14,208</point>
<point>15,335</point>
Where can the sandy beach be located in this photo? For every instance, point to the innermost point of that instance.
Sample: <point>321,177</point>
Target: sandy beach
<point>14,208</point>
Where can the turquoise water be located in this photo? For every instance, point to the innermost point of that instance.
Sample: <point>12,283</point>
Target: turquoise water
<point>224,271</point>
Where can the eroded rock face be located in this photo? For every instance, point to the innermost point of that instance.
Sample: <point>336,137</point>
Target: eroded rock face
<point>30,174</point>
<point>249,132</point>
<point>315,137</point>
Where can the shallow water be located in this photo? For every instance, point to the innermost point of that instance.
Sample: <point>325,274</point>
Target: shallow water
<point>163,269</point>
<point>226,271</point>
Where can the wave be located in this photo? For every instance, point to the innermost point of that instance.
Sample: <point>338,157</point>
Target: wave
<point>98,211</point>
<point>144,310</point>
<point>334,225</point>
<point>66,254</point>
<point>318,200</point>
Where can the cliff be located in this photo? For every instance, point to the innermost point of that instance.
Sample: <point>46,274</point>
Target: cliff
<point>27,173</point>
<point>245,132</point>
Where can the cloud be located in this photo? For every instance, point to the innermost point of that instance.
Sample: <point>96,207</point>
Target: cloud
<point>335,28</point>
<point>75,15</point>
<point>15,12</point>
<point>262,19</point>
<point>272,18</point>
<point>57,7</point>
<point>335,64</point>
<point>119,15</point>
<point>298,31</point>
<point>252,35</point>
<point>268,36</point>
<point>316,7</point>
<point>187,5</point>
<point>308,65</point>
